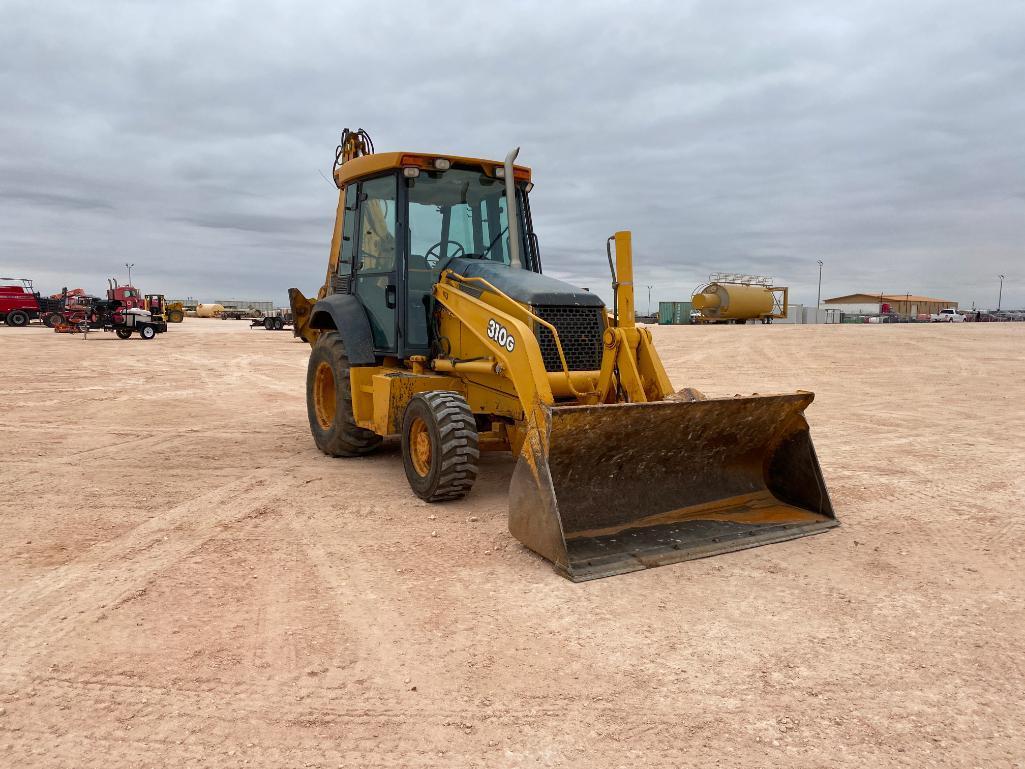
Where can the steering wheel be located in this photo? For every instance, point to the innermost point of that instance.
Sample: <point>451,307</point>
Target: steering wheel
<point>437,256</point>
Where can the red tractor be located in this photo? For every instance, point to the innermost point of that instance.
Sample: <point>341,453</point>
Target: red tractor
<point>20,302</point>
<point>74,308</point>
<point>129,296</point>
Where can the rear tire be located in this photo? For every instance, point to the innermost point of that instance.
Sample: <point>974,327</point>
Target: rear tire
<point>54,319</point>
<point>439,445</point>
<point>268,324</point>
<point>147,332</point>
<point>175,316</point>
<point>278,324</point>
<point>17,318</point>
<point>123,333</point>
<point>329,402</point>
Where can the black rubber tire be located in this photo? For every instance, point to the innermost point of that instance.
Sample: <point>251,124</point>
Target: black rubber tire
<point>278,324</point>
<point>123,333</point>
<point>454,445</point>
<point>268,324</point>
<point>147,332</point>
<point>53,319</point>
<point>175,316</point>
<point>17,318</point>
<point>340,436</point>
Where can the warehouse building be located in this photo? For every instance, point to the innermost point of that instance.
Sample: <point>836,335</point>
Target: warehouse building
<point>905,305</point>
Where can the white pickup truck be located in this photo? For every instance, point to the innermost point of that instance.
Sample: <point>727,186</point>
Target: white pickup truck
<point>949,315</point>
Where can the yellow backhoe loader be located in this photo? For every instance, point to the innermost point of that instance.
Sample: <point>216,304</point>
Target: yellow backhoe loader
<point>172,312</point>
<point>436,324</point>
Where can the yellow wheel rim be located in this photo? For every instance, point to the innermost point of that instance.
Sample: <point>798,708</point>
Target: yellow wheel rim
<point>324,401</point>
<point>420,447</point>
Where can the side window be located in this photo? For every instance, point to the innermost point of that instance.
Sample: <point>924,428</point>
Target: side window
<point>377,242</point>
<point>348,231</point>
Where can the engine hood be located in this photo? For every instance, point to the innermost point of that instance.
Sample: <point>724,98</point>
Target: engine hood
<point>525,286</point>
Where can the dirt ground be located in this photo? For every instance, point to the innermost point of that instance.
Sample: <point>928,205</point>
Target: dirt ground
<point>186,581</point>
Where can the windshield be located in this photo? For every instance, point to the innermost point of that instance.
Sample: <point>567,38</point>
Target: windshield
<point>459,213</point>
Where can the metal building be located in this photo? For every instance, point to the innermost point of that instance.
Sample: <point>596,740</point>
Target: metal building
<point>906,305</point>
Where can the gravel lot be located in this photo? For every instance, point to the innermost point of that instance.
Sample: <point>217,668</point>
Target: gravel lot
<point>186,581</point>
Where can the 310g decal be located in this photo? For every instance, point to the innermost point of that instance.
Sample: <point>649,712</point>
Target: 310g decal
<point>500,334</point>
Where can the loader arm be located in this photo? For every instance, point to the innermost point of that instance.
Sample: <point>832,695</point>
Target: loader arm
<point>617,475</point>
<point>629,357</point>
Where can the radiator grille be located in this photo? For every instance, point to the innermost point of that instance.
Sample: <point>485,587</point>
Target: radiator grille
<point>580,330</point>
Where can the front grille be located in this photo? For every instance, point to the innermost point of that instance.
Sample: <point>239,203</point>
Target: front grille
<point>580,330</point>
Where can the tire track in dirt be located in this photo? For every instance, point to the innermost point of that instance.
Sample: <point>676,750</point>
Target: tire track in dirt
<point>347,578</point>
<point>117,570</point>
<point>172,439</point>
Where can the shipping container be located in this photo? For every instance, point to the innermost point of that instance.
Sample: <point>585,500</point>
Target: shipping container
<point>795,314</point>
<point>674,313</point>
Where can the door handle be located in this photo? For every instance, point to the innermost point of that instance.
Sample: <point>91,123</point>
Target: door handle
<point>389,297</point>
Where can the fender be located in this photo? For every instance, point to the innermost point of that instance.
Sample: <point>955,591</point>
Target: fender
<point>345,313</point>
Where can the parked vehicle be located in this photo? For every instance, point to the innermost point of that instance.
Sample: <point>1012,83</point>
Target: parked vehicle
<point>112,315</point>
<point>140,321</point>
<point>129,296</point>
<point>172,312</point>
<point>948,315</point>
<point>70,306</point>
<point>274,321</point>
<point>20,302</point>
<point>239,313</point>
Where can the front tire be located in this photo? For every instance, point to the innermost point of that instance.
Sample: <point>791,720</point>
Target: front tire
<point>147,332</point>
<point>329,402</point>
<point>123,333</point>
<point>54,319</point>
<point>439,446</point>
<point>17,318</point>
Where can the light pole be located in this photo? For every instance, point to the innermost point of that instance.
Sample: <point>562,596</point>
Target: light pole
<point>818,298</point>
<point>1000,296</point>
<point>129,266</point>
<point>649,298</point>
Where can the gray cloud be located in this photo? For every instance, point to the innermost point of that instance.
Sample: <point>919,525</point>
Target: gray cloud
<point>887,139</point>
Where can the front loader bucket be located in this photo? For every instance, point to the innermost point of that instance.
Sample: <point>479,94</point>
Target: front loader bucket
<point>603,490</point>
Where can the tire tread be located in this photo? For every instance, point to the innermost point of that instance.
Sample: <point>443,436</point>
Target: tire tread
<point>349,440</point>
<point>459,444</point>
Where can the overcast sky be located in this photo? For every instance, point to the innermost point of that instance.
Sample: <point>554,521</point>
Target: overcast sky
<point>885,138</point>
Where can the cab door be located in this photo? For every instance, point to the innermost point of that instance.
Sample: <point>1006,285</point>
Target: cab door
<point>376,251</point>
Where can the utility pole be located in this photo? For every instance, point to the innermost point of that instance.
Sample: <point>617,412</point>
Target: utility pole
<point>649,299</point>
<point>818,298</point>
<point>129,266</point>
<point>1000,296</point>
